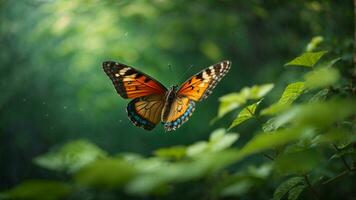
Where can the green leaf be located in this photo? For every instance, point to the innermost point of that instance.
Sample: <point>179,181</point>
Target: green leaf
<point>297,162</point>
<point>39,189</point>
<point>170,173</point>
<point>232,101</point>
<point>270,125</point>
<point>245,114</point>
<point>238,188</point>
<point>70,157</point>
<point>319,114</point>
<point>322,77</point>
<point>220,140</point>
<point>175,152</point>
<point>241,182</point>
<point>290,94</point>
<point>264,141</point>
<point>106,173</point>
<point>197,148</point>
<point>295,192</point>
<point>286,186</point>
<point>307,59</point>
<point>315,41</point>
<point>320,96</point>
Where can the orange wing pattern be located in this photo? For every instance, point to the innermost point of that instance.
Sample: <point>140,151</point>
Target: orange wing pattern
<point>177,112</point>
<point>131,83</point>
<point>200,86</point>
<point>146,111</point>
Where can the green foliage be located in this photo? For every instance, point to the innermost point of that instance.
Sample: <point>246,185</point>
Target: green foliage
<point>70,157</point>
<point>232,101</point>
<point>321,78</point>
<point>245,114</point>
<point>299,162</point>
<point>287,187</point>
<point>289,95</point>
<point>296,132</point>
<point>307,59</point>
<point>313,44</point>
<point>39,189</point>
<point>175,152</point>
<point>106,173</point>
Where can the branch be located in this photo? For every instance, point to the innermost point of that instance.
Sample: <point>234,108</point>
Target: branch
<point>342,157</point>
<point>268,156</point>
<point>336,177</point>
<point>315,194</point>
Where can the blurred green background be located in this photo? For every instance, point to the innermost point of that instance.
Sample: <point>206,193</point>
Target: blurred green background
<point>53,88</point>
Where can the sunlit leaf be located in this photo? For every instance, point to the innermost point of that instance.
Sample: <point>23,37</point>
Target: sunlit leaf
<point>238,188</point>
<point>39,189</point>
<point>286,186</point>
<point>290,94</point>
<point>146,183</point>
<point>319,114</point>
<point>322,77</point>
<point>232,101</point>
<point>175,152</point>
<point>315,41</point>
<point>295,192</point>
<point>70,157</point>
<point>197,148</point>
<point>245,114</point>
<point>268,140</point>
<point>106,173</point>
<point>220,140</point>
<point>307,59</point>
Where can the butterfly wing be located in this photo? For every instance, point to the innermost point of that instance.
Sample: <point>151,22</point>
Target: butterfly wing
<point>145,112</point>
<point>131,83</point>
<point>177,112</point>
<point>200,86</point>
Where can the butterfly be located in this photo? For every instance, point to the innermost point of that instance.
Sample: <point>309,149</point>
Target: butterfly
<point>153,102</point>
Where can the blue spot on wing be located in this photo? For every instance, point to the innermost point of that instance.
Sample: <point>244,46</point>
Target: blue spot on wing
<point>173,125</point>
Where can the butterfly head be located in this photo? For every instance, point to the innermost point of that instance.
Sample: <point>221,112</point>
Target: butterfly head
<point>173,88</point>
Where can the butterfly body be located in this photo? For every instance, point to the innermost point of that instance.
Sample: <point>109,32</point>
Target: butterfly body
<point>153,103</point>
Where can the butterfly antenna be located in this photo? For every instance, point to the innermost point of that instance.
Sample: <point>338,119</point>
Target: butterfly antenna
<point>186,71</point>
<point>173,72</point>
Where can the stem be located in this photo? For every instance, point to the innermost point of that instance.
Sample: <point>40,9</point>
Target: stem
<point>336,177</point>
<point>342,157</point>
<point>354,57</point>
<point>315,194</point>
<point>268,156</point>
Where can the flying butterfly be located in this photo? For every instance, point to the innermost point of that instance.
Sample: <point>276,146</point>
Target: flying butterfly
<point>153,103</point>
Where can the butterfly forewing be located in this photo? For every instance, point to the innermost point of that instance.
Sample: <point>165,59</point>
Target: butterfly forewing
<point>200,86</point>
<point>131,83</point>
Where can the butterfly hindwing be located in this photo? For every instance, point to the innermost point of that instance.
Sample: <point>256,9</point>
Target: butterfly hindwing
<point>146,111</point>
<point>177,112</point>
<point>200,86</point>
<point>131,83</point>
